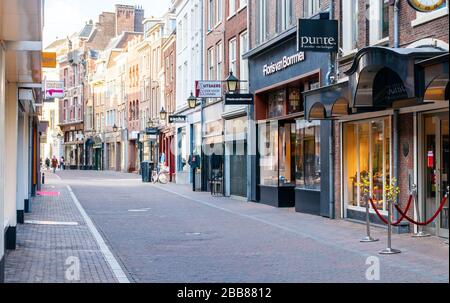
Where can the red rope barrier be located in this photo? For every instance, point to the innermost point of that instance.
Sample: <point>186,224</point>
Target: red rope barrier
<point>444,200</point>
<point>400,219</point>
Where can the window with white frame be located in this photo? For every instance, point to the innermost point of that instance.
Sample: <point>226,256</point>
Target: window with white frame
<point>210,59</point>
<point>219,11</point>
<point>243,66</point>
<point>232,55</point>
<point>284,15</point>
<point>231,7</point>
<point>312,7</point>
<point>211,14</point>
<point>261,21</point>
<point>350,17</point>
<point>379,20</point>
<point>242,3</point>
<point>219,57</point>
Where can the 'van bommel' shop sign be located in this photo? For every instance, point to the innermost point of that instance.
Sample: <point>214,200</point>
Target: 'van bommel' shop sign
<point>317,35</point>
<point>285,62</point>
<point>208,89</point>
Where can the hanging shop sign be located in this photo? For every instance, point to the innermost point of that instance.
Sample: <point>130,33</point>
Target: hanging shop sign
<point>177,119</point>
<point>48,60</point>
<point>54,89</point>
<point>285,62</point>
<point>239,99</point>
<point>151,130</point>
<point>317,35</point>
<point>208,89</point>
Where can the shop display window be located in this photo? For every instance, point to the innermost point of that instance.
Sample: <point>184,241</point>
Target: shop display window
<point>294,100</point>
<point>276,104</point>
<point>277,153</point>
<point>367,155</point>
<point>307,161</point>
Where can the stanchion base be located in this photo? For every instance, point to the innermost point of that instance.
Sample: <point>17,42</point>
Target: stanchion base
<point>368,239</point>
<point>420,234</point>
<point>390,251</point>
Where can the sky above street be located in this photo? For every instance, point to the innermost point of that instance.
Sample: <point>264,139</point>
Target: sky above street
<point>64,17</point>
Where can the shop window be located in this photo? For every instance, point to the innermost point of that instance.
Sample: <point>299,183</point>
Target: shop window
<point>276,104</point>
<point>367,155</point>
<point>268,151</point>
<point>307,170</point>
<point>277,153</point>
<point>294,100</point>
<point>182,149</point>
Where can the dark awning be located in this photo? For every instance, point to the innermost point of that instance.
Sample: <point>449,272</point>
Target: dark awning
<point>381,78</point>
<point>327,102</point>
<point>434,74</point>
<point>381,75</point>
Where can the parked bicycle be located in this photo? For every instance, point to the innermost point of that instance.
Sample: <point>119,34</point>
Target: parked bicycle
<point>161,176</point>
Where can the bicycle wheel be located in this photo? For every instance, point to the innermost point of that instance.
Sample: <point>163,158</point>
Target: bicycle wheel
<point>163,178</point>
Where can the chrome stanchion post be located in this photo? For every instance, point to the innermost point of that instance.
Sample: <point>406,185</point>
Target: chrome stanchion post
<point>420,233</point>
<point>368,237</point>
<point>446,194</point>
<point>389,250</point>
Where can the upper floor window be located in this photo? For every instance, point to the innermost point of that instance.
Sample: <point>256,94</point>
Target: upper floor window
<point>219,10</point>
<point>231,7</point>
<point>219,54</point>
<point>211,14</point>
<point>210,63</point>
<point>378,20</point>
<point>261,21</point>
<point>311,7</point>
<point>350,18</point>
<point>284,14</point>
<point>242,3</point>
<point>232,55</point>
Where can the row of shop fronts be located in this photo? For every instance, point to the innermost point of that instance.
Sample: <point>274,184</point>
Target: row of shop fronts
<point>306,144</point>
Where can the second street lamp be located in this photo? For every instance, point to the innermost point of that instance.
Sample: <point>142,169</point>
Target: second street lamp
<point>163,114</point>
<point>232,83</point>
<point>115,128</point>
<point>192,101</point>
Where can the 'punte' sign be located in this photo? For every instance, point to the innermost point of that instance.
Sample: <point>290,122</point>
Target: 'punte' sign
<point>317,35</point>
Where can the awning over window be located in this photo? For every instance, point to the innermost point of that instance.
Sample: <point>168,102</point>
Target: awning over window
<point>382,78</point>
<point>435,78</point>
<point>327,102</point>
<point>381,75</point>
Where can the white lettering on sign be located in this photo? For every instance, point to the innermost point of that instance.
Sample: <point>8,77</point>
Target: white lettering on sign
<point>287,61</point>
<point>322,42</point>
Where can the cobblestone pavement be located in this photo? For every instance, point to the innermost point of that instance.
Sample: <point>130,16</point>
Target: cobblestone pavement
<point>43,250</point>
<point>167,233</point>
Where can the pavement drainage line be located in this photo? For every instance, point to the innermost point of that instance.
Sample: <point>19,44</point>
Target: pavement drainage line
<point>40,222</point>
<point>107,254</point>
<point>392,262</point>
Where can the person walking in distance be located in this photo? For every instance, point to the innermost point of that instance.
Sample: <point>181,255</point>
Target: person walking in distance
<point>54,164</point>
<point>62,163</point>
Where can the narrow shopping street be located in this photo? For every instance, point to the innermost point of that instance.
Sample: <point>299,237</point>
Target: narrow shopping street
<point>167,233</point>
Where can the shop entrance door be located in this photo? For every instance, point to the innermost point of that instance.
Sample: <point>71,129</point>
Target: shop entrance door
<point>436,164</point>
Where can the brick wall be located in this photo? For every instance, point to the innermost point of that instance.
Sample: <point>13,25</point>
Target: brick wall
<point>234,26</point>
<point>125,19</point>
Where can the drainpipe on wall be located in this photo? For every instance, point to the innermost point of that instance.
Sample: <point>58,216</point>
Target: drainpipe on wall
<point>396,26</point>
<point>331,79</point>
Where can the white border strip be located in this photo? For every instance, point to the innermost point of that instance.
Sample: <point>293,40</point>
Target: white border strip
<point>107,254</point>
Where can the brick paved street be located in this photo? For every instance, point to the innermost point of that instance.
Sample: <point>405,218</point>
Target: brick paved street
<point>42,250</point>
<point>167,233</point>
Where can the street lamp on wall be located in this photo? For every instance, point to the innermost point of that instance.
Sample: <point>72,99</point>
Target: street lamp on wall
<point>163,114</point>
<point>115,128</point>
<point>192,101</point>
<point>232,83</point>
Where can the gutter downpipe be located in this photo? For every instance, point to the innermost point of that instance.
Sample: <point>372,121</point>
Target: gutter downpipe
<point>202,103</point>
<point>331,79</point>
<point>396,33</point>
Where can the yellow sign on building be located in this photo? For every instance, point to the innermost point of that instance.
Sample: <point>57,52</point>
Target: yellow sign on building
<point>48,59</point>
